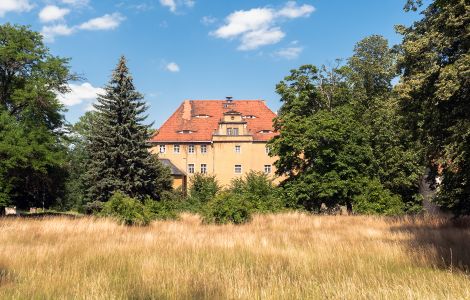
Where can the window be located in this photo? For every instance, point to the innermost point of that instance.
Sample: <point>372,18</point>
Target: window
<point>191,149</point>
<point>237,149</point>
<point>232,131</point>
<point>191,168</point>
<point>176,148</point>
<point>162,149</point>
<point>203,168</point>
<point>238,169</point>
<point>267,169</point>
<point>267,150</point>
<point>203,148</point>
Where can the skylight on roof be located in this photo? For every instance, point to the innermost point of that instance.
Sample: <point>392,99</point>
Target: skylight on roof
<point>202,116</point>
<point>265,131</point>
<point>249,117</point>
<point>185,131</point>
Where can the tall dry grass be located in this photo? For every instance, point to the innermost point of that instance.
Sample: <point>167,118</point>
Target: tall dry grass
<point>286,256</point>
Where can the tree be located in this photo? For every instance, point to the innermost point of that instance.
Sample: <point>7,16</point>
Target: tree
<point>434,95</point>
<point>323,150</point>
<point>77,157</point>
<point>31,119</point>
<point>372,68</point>
<point>118,145</point>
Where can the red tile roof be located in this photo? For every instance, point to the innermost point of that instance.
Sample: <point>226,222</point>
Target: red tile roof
<point>202,128</point>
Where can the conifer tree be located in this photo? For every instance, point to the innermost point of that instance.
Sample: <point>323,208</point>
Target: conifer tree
<point>118,144</point>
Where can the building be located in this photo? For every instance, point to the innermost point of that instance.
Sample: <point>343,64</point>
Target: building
<point>222,137</point>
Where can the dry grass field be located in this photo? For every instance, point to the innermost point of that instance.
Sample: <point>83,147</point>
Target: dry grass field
<point>286,256</point>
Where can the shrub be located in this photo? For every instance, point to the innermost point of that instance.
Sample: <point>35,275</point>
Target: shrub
<point>171,203</point>
<point>375,199</point>
<point>203,188</point>
<point>258,189</point>
<point>225,208</point>
<point>126,210</point>
<point>93,207</point>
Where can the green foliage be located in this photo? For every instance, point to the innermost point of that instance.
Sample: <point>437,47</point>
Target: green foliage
<point>226,208</point>
<point>202,189</point>
<point>118,148</point>
<point>375,199</point>
<point>257,189</point>
<point>169,206</point>
<point>31,120</point>
<point>93,207</point>
<point>126,210</point>
<point>434,92</point>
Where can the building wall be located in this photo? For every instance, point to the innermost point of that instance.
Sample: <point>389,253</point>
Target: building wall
<point>221,157</point>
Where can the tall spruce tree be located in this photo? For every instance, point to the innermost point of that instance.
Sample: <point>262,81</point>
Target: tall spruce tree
<point>118,144</point>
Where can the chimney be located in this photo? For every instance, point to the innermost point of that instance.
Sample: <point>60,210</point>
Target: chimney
<point>187,110</point>
<point>229,99</point>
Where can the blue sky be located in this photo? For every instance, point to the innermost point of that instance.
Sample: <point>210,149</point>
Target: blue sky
<point>200,49</point>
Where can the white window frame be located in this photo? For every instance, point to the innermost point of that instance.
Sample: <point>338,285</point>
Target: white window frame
<point>238,149</point>
<point>191,149</point>
<point>203,168</point>
<point>191,168</point>
<point>236,169</point>
<point>205,149</point>
<point>235,131</point>
<point>162,148</point>
<point>267,169</point>
<point>267,150</point>
<point>176,148</point>
<point>229,131</point>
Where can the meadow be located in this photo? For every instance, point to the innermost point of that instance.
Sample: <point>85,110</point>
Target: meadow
<point>283,256</point>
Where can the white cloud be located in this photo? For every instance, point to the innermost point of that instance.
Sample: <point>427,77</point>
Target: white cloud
<point>14,6</point>
<point>174,4</point>
<point>289,53</point>
<point>106,22</point>
<point>76,2</point>
<point>265,36</point>
<point>52,13</point>
<point>173,67</point>
<point>207,20</point>
<point>259,26</point>
<point>80,93</point>
<point>50,32</point>
<point>292,11</point>
<point>171,4</point>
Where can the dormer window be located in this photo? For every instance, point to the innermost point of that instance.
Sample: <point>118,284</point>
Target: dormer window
<point>265,131</point>
<point>202,116</point>
<point>249,117</point>
<point>185,131</point>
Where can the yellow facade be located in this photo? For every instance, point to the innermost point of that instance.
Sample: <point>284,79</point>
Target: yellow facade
<point>220,159</point>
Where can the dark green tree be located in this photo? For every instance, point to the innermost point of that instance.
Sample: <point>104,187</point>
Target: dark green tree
<point>32,152</point>
<point>372,68</point>
<point>323,150</point>
<point>434,93</point>
<point>118,145</point>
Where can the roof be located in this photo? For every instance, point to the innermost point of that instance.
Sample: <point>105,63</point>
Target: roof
<point>202,128</point>
<point>173,169</point>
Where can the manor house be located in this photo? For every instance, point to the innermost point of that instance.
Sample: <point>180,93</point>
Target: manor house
<point>226,138</point>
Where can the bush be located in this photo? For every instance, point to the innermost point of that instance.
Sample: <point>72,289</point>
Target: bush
<point>127,210</point>
<point>227,208</point>
<point>375,199</point>
<point>203,188</point>
<point>168,208</point>
<point>93,207</point>
<point>257,189</point>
